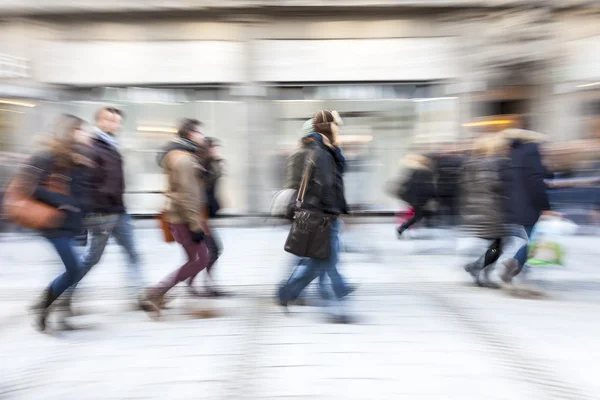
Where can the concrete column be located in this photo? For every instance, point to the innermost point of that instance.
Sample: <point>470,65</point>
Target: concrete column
<point>256,132</point>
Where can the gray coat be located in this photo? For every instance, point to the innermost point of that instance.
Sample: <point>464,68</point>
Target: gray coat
<point>483,200</point>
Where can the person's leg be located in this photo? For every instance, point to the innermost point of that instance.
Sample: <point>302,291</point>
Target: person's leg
<point>301,277</point>
<point>97,245</point>
<point>214,250</point>
<point>490,256</point>
<point>197,260</point>
<point>511,245</point>
<point>418,215</point>
<point>521,254</point>
<point>124,235</point>
<point>73,273</point>
<point>338,284</point>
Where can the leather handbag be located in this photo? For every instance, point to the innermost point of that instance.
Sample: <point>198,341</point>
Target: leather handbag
<point>310,232</point>
<point>165,228</point>
<point>24,210</point>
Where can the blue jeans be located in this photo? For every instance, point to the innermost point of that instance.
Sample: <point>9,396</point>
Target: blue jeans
<point>123,234</point>
<point>73,271</point>
<point>521,255</point>
<point>299,265</point>
<point>314,268</point>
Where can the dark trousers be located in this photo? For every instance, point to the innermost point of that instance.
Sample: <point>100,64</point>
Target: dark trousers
<point>448,209</point>
<point>197,255</point>
<point>215,248</point>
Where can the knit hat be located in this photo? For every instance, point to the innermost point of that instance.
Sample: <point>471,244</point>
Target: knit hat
<point>307,127</point>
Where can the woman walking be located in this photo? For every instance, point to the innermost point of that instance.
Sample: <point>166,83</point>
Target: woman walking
<point>48,195</point>
<point>325,194</point>
<point>486,188</point>
<point>186,212</point>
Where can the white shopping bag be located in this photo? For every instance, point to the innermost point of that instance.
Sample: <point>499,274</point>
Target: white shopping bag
<point>546,246</point>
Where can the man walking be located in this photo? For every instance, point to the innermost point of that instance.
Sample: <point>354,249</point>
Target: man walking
<point>108,216</point>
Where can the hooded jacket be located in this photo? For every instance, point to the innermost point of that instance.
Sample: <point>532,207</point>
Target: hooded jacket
<point>186,194</point>
<point>418,188</point>
<point>528,195</point>
<point>325,189</point>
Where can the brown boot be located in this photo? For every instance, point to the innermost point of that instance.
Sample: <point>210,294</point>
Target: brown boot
<point>151,302</point>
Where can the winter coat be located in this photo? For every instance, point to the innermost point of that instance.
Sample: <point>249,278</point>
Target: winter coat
<point>325,189</point>
<point>448,169</point>
<point>418,187</point>
<point>186,192</point>
<point>107,181</point>
<point>483,199</point>
<point>37,171</point>
<point>528,197</point>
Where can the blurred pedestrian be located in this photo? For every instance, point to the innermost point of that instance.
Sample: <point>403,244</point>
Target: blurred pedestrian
<point>486,188</point>
<point>325,194</point>
<point>107,214</point>
<point>294,169</point>
<point>448,168</point>
<point>212,163</point>
<point>186,212</point>
<point>528,198</point>
<point>48,195</point>
<point>417,190</point>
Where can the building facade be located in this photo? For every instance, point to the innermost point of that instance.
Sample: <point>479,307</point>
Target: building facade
<point>404,75</point>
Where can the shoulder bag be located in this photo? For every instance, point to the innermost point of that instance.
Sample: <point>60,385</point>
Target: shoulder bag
<point>21,208</point>
<point>310,232</point>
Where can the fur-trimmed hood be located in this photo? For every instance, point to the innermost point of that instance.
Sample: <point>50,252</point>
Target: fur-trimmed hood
<point>524,136</point>
<point>416,161</point>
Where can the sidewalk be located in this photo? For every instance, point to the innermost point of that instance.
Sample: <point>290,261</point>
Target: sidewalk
<point>423,331</point>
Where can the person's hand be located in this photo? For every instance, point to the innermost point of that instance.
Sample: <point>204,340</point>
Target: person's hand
<point>68,207</point>
<point>549,213</point>
<point>198,236</point>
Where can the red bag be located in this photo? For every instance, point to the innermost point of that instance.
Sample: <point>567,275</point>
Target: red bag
<point>404,216</point>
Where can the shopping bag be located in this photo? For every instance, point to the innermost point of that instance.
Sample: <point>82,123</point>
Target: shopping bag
<point>546,244</point>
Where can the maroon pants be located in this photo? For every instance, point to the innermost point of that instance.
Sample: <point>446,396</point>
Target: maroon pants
<point>197,254</point>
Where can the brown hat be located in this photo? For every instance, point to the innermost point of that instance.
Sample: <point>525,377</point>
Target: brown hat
<point>322,122</point>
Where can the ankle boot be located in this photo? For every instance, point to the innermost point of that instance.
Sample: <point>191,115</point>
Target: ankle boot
<point>41,309</point>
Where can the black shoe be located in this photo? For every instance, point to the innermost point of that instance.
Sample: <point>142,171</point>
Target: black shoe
<point>342,319</point>
<point>349,290</point>
<point>215,293</point>
<point>399,231</point>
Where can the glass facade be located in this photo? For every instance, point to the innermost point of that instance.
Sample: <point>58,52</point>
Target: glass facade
<point>381,124</point>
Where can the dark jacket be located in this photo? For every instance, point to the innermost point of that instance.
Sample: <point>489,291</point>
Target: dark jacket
<point>448,169</point>
<point>214,171</point>
<point>325,189</point>
<point>40,167</point>
<point>483,199</point>
<point>528,197</point>
<point>107,181</point>
<point>417,188</point>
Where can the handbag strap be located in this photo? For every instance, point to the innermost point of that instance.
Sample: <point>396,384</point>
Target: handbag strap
<point>305,178</point>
